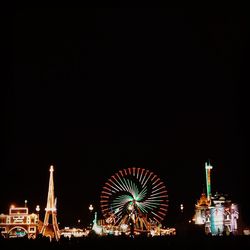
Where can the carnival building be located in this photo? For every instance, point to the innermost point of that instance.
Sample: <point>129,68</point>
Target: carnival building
<point>19,223</point>
<point>217,213</point>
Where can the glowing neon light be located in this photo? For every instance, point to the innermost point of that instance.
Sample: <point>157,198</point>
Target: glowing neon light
<point>208,168</point>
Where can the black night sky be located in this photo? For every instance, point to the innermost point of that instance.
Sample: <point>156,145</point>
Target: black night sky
<point>92,91</point>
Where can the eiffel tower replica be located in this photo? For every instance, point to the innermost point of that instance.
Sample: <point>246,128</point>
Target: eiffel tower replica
<point>51,230</point>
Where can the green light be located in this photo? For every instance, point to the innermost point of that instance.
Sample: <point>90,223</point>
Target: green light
<point>208,168</point>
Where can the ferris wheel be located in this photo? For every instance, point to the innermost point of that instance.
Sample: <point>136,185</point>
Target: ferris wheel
<point>134,194</point>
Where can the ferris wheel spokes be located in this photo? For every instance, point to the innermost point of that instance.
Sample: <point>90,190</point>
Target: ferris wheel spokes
<point>134,193</point>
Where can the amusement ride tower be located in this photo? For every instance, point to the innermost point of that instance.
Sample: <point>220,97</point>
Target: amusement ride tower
<point>204,203</point>
<point>208,168</point>
<point>47,229</point>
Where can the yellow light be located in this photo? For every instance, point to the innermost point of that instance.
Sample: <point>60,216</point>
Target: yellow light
<point>91,207</point>
<point>12,206</point>
<point>130,207</point>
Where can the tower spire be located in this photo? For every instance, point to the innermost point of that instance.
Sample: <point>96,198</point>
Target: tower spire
<point>47,229</point>
<point>208,168</point>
